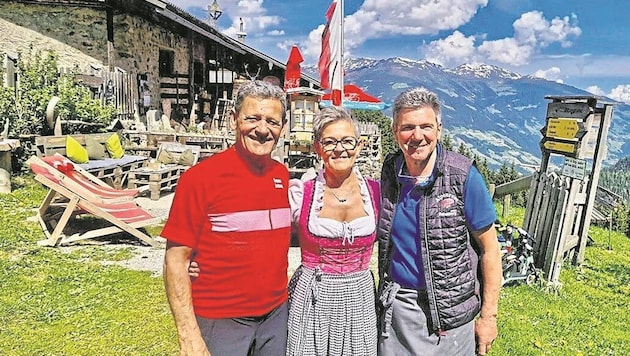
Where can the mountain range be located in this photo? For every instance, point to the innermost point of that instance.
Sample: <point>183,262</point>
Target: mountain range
<point>498,114</point>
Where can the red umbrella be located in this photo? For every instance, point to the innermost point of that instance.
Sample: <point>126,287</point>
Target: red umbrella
<point>293,72</point>
<point>355,98</point>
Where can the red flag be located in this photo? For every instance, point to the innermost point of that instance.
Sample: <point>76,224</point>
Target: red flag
<point>330,60</point>
<point>293,72</point>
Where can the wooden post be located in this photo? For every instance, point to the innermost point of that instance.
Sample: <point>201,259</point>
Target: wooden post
<point>191,73</point>
<point>110,38</point>
<point>506,205</point>
<point>600,153</point>
<point>530,200</point>
<point>558,256</point>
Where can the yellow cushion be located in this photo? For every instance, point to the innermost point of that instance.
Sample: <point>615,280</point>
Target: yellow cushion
<point>114,147</point>
<point>187,157</point>
<point>76,152</point>
<point>166,157</point>
<point>95,149</point>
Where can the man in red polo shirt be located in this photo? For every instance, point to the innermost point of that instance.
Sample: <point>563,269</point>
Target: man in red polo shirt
<point>231,213</point>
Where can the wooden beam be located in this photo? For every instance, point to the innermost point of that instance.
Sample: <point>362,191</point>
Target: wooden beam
<point>512,187</point>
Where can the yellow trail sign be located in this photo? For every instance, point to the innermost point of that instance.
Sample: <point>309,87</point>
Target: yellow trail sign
<point>565,147</point>
<point>563,128</point>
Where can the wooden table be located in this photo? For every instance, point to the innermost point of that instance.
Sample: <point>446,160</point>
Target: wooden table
<point>165,177</point>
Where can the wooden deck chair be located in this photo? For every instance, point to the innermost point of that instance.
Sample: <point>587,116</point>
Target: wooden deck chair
<point>124,216</point>
<point>59,168</point>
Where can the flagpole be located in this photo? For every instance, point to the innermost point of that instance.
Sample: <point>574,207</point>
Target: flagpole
<point>330,62</point>
<point>342,12</point>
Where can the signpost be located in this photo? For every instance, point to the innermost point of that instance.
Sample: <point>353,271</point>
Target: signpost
<point>566,148</point>
<point>564,128</point>
<point>567,109</point>
<point>559,209</point>
<point>574,168</point>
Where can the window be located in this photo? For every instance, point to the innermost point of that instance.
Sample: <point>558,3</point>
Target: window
<point>198,73</point>
<point>166,64</point>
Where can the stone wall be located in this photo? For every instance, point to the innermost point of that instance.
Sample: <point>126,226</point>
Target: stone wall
<point>79,36</point>
<point>23,27</point>
<point>137,45</point>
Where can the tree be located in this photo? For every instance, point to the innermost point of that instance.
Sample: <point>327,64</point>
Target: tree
<point>482,165</point>
<point>384,123</point>
<point>447,141</point>
<point>464,150</point>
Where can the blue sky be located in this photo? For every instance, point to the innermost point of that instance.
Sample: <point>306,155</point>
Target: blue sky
<point>583,43</point>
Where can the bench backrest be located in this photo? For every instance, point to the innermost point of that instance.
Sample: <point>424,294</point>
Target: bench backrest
<point>49,145</point>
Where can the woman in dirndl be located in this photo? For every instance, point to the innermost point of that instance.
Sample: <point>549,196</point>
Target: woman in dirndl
<point>334,214</point>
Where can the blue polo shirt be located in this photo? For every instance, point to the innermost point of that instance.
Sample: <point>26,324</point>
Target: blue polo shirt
<point>406,265</point>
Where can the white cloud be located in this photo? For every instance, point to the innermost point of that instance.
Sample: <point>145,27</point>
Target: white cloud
<point>621,93</point>
<point>531,33</point>
<point>454,46</point>
<point>256,20</point>
<point>506,51</point>
<point>382,19</point>
<point>404,17</point>
<point>312,47</point>
<point>532,28</point>
<point>276,33</point>
<point>594,89</point>
<point>552,73</point>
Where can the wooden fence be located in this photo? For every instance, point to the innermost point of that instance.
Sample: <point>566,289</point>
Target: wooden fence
<point>550,217</point>
<point>553,208</point>
<point>116,88</point>
<point>121,90</point>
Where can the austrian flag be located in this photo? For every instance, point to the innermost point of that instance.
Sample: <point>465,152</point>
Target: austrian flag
<point>330,63</point>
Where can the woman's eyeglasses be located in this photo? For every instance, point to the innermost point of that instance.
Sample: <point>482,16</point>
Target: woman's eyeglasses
<point>347,143</point>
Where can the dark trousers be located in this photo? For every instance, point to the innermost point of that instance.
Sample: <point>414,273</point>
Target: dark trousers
<point>256,336</point>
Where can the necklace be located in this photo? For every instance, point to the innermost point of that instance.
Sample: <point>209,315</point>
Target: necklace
<point>341,200</point>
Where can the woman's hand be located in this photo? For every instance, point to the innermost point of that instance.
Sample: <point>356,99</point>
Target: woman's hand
<point>193,269</point>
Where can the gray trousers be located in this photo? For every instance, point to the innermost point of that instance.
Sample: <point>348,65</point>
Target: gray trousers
<point>407,332</point>
<point>252,336</point>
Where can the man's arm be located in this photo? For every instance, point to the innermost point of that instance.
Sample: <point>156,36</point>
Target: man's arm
<point>490,258</point>
<point>179,295</point>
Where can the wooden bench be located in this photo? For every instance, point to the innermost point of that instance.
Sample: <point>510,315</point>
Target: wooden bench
<point>158,176</point>
<point>112,170</point>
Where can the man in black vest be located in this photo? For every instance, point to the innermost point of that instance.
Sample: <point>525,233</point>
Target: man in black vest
<point>439,261</point>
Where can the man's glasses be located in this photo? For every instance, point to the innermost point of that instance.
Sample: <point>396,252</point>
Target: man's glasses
<point>347,143</point>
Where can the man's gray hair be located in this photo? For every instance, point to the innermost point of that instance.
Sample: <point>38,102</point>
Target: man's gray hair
<point>261,90</point>
<point>416,98</point>
<point>329,115</point>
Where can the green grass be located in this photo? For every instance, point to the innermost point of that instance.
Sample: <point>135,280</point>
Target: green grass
<point>54,303</point>
<point>586,316</point>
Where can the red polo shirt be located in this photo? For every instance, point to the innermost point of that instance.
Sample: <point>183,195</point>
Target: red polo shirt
<point>238,223</point>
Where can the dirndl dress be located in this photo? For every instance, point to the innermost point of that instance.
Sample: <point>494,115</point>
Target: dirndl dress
<point>332,294</point>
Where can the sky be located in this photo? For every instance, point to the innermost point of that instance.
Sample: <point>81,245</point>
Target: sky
<point>583,43</point>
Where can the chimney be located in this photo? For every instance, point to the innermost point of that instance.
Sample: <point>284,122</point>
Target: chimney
<point>241,33</point>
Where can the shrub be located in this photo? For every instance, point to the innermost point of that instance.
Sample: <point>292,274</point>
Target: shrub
<point>39,81</point>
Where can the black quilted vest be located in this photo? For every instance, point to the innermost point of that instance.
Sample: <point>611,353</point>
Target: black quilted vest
<point>449,258</point>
